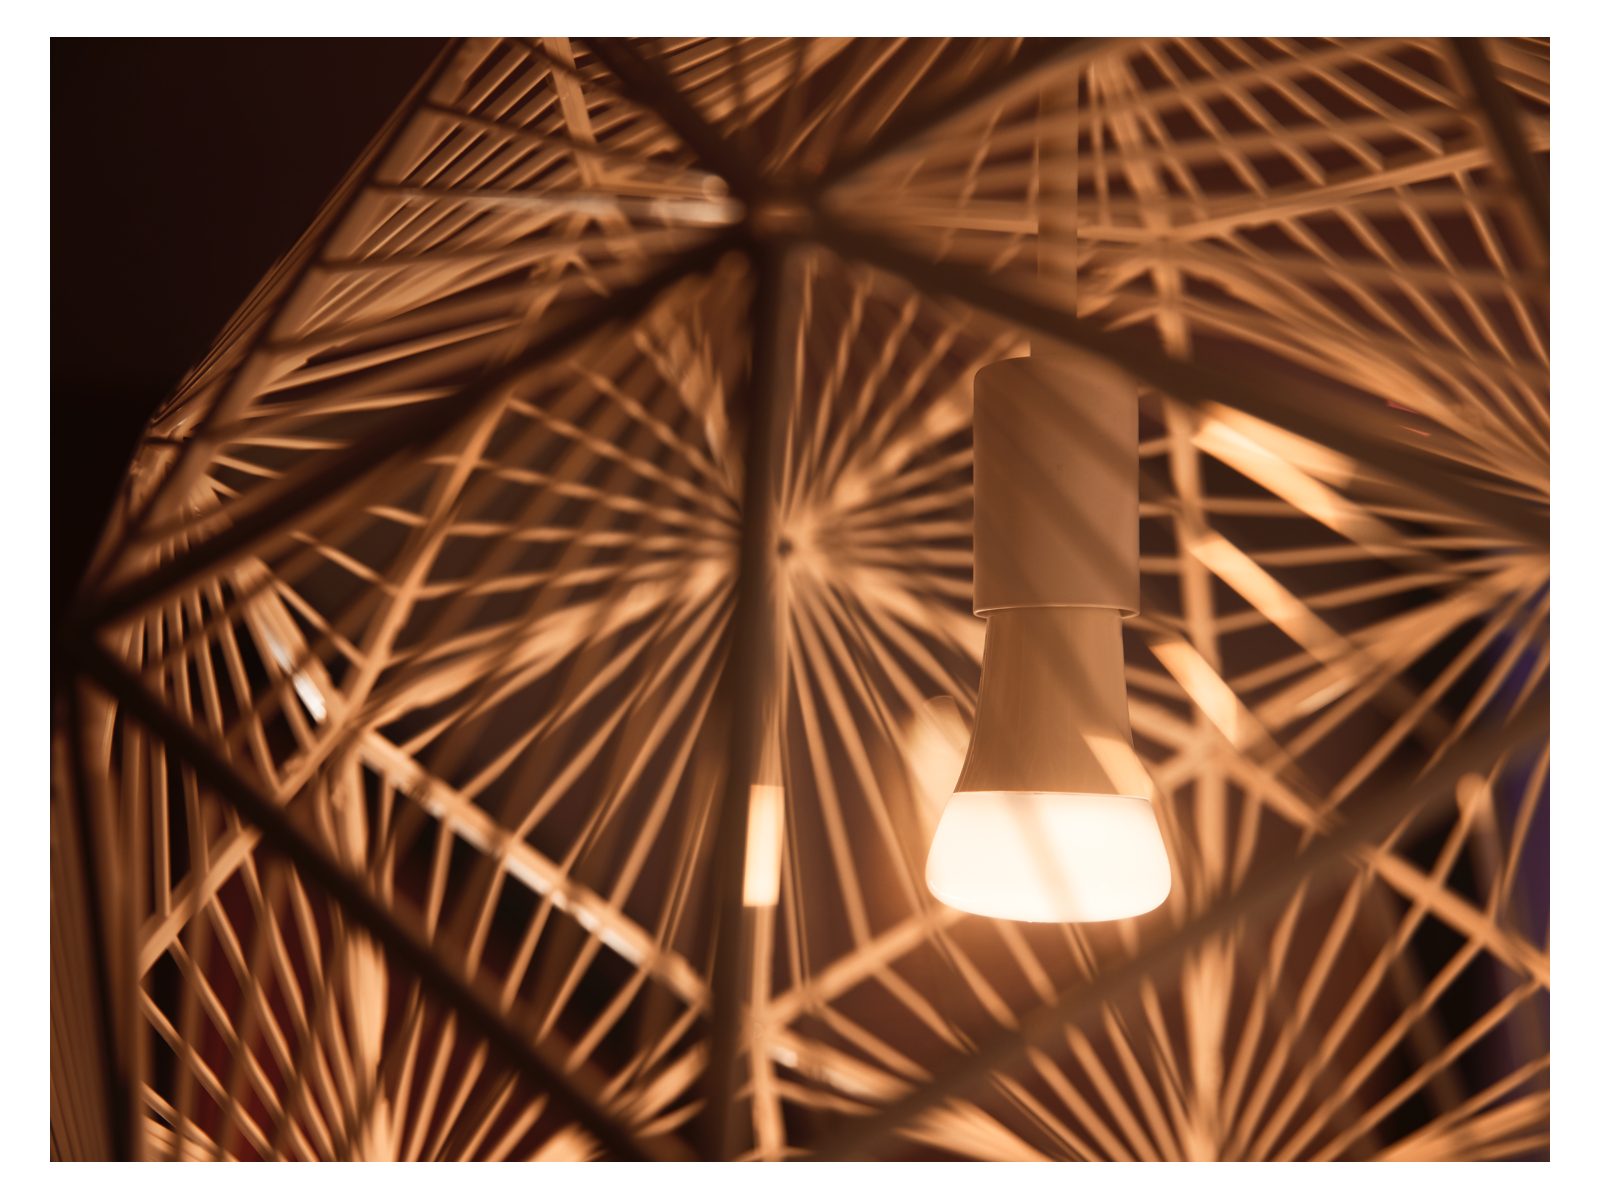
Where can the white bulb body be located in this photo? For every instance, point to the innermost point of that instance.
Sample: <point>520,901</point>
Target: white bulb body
<point>1051,819</point>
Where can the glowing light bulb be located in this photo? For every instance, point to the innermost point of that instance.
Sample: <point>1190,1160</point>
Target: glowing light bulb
<point>1051,819</point>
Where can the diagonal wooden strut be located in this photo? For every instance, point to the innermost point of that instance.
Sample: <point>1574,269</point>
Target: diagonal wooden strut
<point>1019,75</point>
<point>103,962</point>
<point>1510,148</point>
<point>300,495</point>
<point>285,276</point>
<point>1301,407</point>
<point>1369,820</point>
<point>281,834</point>
<point>644,81</point>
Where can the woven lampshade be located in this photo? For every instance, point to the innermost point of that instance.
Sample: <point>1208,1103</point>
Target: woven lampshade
<point>603,452</point>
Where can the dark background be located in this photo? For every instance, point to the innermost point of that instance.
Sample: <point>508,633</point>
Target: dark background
<point>180,169</point>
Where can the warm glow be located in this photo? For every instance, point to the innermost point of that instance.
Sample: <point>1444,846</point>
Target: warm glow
<point>1049,856</point>
<point>1269,597</point>
<point>1119,761</point>
<point>1051,818</point>
<point>1285,470</point>
<point>936,744</point>
<point>1224,430</point>
<point>763,850</point>
<point>1206,688</point>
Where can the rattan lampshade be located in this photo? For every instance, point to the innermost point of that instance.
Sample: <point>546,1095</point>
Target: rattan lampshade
<point>604,450</point>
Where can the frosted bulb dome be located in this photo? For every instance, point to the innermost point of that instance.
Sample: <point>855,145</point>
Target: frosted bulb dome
<point>1049,856</point>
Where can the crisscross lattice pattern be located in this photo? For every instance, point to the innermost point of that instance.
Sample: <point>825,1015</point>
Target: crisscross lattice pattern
<point>437,557</point>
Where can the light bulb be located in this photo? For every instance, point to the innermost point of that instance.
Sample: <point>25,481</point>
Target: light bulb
<point>1051,818</point>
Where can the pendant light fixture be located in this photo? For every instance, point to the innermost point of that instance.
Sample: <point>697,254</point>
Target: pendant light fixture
<point>1051,818</point>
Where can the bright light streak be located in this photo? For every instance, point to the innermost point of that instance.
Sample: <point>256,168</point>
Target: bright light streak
<point>763,851</point>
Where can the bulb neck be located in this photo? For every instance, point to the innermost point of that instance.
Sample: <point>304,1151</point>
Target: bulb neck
<point>1055,486</point>
<point>1052,706</point>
